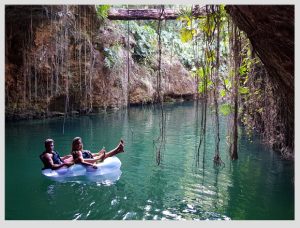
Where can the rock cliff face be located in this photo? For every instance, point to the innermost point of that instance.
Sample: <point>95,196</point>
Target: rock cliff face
<point>54,62</point>
<point>270,29</point>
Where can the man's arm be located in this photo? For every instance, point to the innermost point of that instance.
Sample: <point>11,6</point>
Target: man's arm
<point>66,157</point>
<point>49,161</point>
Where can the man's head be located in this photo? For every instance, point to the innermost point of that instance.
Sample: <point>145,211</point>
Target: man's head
<point>77,144</point>
<point>49,144</point>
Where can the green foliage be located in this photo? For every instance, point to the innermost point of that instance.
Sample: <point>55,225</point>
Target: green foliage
<point>146,41</point>
<point>246,66</point>
<point>187,34</point>
<point>172,43</point>
<point>102,11</point>
<point>210,56</point>
<point>243,70</point>
<point>226,109</point>
<point>201,85</point>
<point>222,92</point>
<point>112,57</point>
<point>243,90</point>
<point>182,50</point>
<point>185,14</point>
<point>187,31</point>
<point>206,26</point>
<point>227,83</point>
<point>202,31</point>
<point>260,110</point>
<point>199,72</point>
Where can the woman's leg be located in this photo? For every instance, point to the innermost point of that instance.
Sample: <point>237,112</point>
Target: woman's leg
<point>118,149</point>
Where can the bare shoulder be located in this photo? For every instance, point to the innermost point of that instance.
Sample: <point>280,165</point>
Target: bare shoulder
<point>48,155</point>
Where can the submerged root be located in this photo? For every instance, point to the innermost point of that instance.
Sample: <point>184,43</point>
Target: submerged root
<point>287,153</point>
<point>218,161</point>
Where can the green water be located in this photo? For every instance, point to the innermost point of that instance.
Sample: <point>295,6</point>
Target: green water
<point>259,185</point>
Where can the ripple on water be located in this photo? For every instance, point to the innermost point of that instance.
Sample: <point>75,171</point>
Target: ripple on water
<point>129,216</point>
<point>257,185</point>
<point>77,216</point>
<point>169,215</point>
<point>114,202</point>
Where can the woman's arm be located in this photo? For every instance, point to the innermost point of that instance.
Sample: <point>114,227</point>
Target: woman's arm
<point>84,162</point>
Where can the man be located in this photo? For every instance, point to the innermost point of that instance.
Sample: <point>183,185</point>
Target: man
<point>51,158</point>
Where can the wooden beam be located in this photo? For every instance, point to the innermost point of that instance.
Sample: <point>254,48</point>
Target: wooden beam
<point>141,14</point>
<point>149,14</point>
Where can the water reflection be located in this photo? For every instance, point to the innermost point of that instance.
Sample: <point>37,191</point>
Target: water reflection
<point>185,186</point>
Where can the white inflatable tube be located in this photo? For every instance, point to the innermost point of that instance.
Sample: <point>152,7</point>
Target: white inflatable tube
<point>107,168</point>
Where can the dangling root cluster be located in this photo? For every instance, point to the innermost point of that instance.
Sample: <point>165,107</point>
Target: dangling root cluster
<point>218,161</point>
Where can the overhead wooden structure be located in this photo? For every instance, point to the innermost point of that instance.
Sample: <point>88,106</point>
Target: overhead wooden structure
<point>150,14</point>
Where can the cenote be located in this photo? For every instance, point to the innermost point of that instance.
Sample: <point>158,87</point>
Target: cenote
<point>259,185</point>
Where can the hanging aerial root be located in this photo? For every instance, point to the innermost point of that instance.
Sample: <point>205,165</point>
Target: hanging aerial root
<point>218,161</point>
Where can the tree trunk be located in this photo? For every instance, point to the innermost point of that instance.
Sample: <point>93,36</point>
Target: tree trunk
<point>234,149</point>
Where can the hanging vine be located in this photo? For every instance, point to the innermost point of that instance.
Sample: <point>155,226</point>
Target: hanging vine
<point>217,159</point>
<point>207,67</point>
<point>162,124</point>
<point>233,128</point>
<point>212,41</point>
<point>128,62</point>
<point>195,30</point>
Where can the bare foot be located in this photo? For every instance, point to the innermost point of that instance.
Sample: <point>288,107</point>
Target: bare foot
<point>120,147</point>
<point>102,157</point>
<point>102,151</point>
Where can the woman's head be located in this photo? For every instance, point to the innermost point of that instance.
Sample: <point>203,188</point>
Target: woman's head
<point>77,144</point>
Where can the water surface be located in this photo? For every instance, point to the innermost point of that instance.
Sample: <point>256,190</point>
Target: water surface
<point>259,185</point>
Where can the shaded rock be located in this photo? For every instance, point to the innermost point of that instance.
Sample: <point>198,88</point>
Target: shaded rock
<point>270,29</point>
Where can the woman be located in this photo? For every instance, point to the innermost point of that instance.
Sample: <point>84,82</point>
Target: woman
<point>85,157</point>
